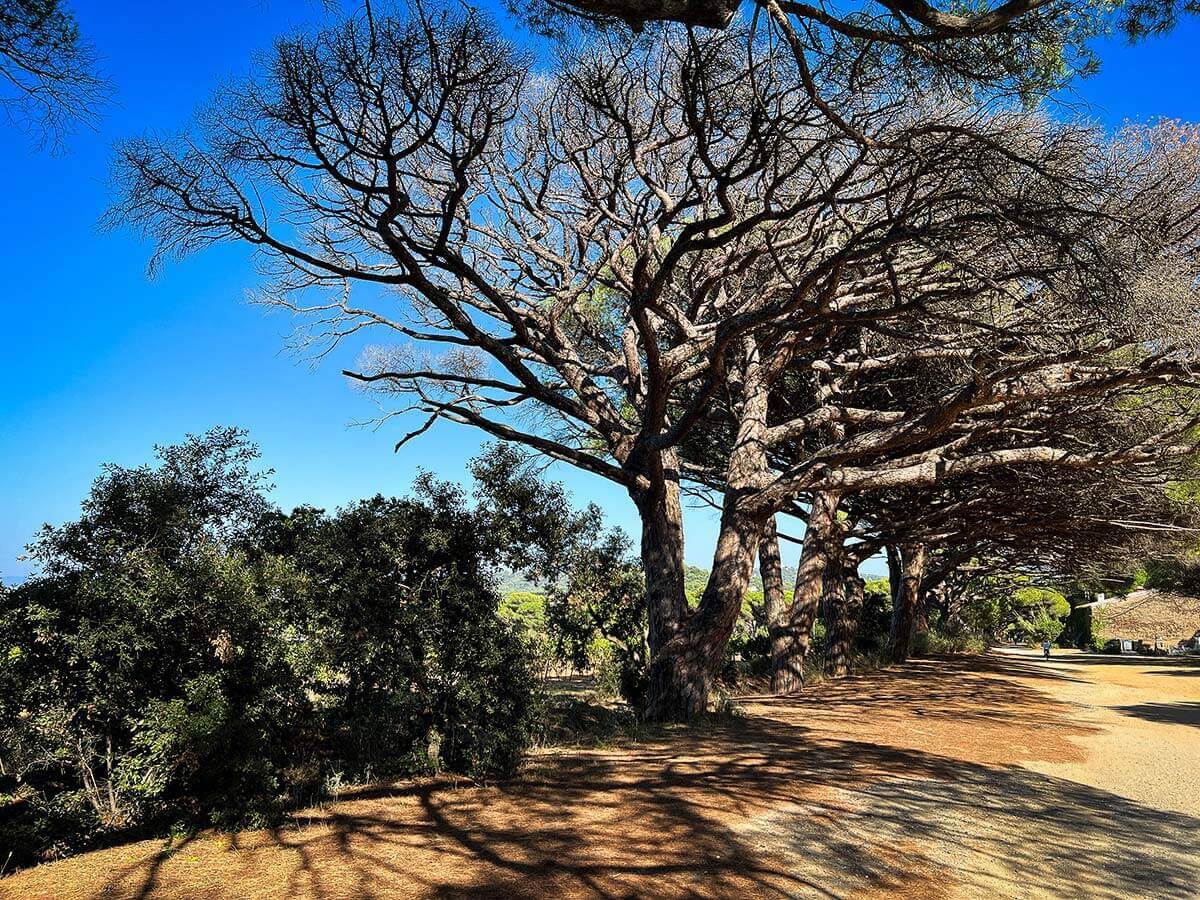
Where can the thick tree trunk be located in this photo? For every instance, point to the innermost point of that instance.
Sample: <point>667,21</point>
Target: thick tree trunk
<point>906,605</point>
<point>682,673</point>
<point>662,553</point>
<point>770,568</point>
<point>795,634</point>
<point>843,606</point>
<point>683,670</point>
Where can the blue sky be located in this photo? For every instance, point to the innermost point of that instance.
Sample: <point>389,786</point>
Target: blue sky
<point>99,363</point>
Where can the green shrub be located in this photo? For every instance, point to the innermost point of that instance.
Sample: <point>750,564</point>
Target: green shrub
<point>606,667</point>
<point>401,613</point>
<point>935,641</point>
<point>875,617</point>
<point>186,656</point>
<point>1096,630</point>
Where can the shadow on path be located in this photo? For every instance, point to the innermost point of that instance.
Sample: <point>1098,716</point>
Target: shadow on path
<point>1170,713</point>
<point>900,784</point>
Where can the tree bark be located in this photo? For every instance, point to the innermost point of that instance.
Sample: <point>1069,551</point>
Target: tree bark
<point>662,552</point>
<point>905,607</point>
<point>795,635</point>
<point>770,568</point>
<point>682,672</point>
<point>843,606</point>
<point>894,571</point>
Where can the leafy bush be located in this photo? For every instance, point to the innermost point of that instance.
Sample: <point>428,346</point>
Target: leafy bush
<point>606,667</point>
<point>875,618</point>
<point>594,586</point>
<point>188,656</point>
<point>935,641</point>
<point>145,671</point>
<point>418,669</point>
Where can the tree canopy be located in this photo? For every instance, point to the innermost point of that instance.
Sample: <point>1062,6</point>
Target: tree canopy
<point>662,263</point>
<point>49,79</point>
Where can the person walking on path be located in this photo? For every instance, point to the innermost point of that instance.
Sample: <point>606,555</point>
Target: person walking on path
<point>1045,648</point>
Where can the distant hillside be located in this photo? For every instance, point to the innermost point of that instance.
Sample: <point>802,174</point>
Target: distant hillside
<point>509,582</point>
<point>1147,614</point>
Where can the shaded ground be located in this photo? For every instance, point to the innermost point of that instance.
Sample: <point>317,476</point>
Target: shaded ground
<point>946,778</point>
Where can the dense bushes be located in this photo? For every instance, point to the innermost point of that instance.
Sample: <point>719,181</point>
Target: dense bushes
<point>186,655</point>
<point>413,666</point>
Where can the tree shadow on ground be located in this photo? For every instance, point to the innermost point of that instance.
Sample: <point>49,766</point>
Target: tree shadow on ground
<point>1170,713</point>
<point>758,809</point>
<point>1192,670</point>
<point>858,789</point>
<point>1113,659</point>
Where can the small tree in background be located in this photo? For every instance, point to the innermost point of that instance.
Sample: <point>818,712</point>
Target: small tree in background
<point>595,612</point>
<point>1037,613</point>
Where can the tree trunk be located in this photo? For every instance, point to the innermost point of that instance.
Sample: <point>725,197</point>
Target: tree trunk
<point>894,571</point>
<point>921,619</point>
<point>683,670</point>
<point>905,607</point>
<point>843,605</point>
<point>770,568</point>
<point>788,652</point>
<point>662,553</point>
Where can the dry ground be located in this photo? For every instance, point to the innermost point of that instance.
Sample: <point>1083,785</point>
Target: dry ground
<point>1002,776</point>
<point>1148,614</point>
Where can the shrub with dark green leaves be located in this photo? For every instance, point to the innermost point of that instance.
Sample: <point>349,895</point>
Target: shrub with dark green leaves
<point>147,679</point>
<point>185,655</point>
<point>415,666</point>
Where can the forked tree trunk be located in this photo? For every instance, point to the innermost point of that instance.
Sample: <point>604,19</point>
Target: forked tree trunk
<point>905,606</point>
<point>683,669</point>
<point>844,605</point>
<point>683,672</point>
<point>795,633</point>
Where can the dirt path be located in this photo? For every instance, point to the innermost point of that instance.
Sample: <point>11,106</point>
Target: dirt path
<point>1003,776</point>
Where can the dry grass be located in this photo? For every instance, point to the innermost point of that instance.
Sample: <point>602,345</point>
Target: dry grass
<point>1149,614</point>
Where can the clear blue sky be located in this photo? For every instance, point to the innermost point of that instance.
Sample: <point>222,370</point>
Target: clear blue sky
<point>99,363</point>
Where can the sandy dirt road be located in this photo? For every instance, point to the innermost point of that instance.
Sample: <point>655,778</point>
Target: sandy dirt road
<point>996,776</point>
